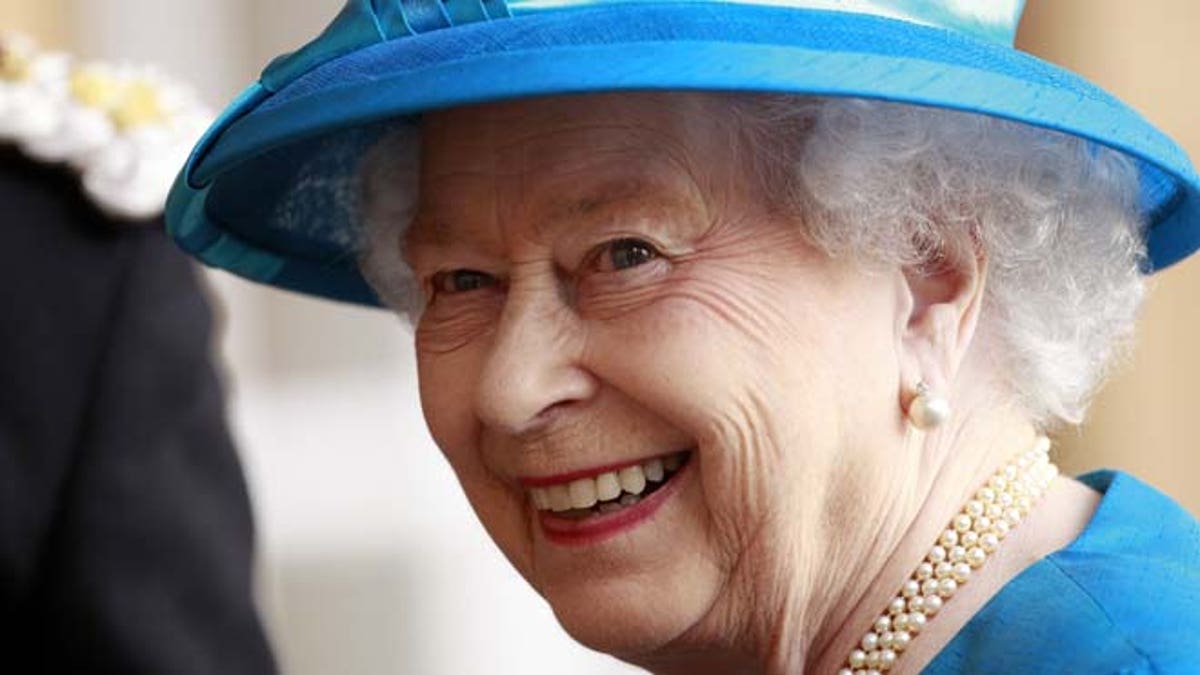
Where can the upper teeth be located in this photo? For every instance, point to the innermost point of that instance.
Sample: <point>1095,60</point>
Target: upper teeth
<point>584,493</point>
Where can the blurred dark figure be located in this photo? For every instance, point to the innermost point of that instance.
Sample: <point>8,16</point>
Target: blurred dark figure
<point>125,528</point>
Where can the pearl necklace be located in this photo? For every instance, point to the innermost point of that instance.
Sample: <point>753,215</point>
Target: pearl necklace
<point>970,537</point>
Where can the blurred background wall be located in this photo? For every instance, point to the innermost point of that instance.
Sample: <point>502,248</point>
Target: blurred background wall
<point>1147,53</point>
<point>371,561</point>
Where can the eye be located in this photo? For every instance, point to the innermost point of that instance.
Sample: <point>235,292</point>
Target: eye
<point>625,253</point>
<point>461,281</point>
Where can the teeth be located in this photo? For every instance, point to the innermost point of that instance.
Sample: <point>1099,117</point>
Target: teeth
<point>605,489</point>
<point>633,479</point>
<point>654,470</point>
<point>583,493</point>
<point>560,498</point>
<point>607,486</point>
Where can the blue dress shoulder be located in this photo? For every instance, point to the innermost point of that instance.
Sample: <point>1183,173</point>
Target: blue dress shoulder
<point>1124,597</point>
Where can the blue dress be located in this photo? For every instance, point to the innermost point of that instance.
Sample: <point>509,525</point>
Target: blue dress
<point>1124,597</point>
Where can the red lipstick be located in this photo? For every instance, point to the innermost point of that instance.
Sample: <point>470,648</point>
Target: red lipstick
<point>593,529</point>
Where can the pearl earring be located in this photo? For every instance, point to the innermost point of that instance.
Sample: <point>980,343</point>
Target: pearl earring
<point>927,411</point>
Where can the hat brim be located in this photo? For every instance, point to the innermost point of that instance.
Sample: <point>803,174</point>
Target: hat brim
<point>226,205</point>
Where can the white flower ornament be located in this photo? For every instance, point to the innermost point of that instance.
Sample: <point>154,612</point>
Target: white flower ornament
<point>127,130</point>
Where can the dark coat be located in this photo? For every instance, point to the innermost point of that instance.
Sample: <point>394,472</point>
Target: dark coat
<point>125,527</point>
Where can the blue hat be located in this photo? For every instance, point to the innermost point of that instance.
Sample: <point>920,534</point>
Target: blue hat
<point>269,192</point>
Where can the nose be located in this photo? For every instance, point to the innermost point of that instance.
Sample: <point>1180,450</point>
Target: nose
<point>533,366</point>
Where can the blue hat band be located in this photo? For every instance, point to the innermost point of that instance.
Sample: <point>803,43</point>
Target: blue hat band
<point>317,123</point>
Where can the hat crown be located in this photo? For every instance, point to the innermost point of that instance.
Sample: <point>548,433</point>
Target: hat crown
<point>365,22</point>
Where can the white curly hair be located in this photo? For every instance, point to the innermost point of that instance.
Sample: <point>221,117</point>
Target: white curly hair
<point>887,183</point>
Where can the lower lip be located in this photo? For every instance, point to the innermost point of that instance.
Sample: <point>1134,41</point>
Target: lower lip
<point>568,532</point>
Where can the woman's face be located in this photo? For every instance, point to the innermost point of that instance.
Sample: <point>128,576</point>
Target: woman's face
<point>607,286</point>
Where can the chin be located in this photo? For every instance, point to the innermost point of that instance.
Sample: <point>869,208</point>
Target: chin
<point>637,615</point>
<point>632,592</point>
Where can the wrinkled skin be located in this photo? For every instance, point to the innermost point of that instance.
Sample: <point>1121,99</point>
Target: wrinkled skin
<point>559,345</point>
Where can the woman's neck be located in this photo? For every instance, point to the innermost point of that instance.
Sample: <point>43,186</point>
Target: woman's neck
<point>814,627</point>
<point>963,458</point>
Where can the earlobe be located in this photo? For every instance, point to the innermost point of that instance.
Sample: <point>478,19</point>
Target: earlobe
<point>927,410</point>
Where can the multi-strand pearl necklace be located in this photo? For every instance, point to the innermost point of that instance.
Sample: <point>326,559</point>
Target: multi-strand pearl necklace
<point>970,537</point>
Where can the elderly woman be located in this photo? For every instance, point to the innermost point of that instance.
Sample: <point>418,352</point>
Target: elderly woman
<point>744,360</point>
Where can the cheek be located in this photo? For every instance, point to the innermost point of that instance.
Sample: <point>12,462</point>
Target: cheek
<point>714,346</point>
<point>722,358</point>
<point>753,363</point>
<point>447,393</point>
<point>446,400</point>
<point>452,323</point>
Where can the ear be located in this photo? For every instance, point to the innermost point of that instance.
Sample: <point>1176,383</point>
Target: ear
<point>939,312</point>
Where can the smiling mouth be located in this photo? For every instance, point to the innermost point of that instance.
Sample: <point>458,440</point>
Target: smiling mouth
<point>608,492</point>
